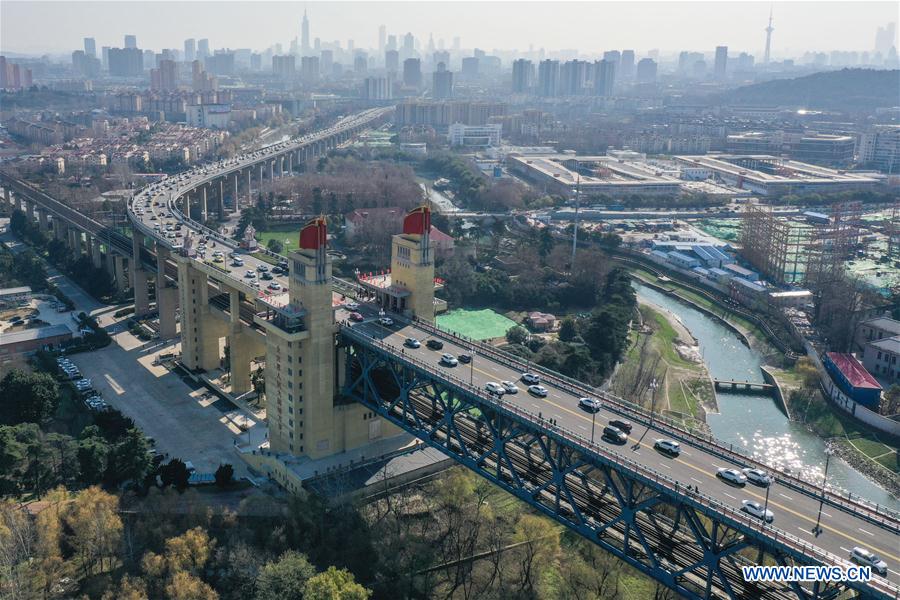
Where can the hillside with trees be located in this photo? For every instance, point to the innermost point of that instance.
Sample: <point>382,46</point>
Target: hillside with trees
<point>847,89</point>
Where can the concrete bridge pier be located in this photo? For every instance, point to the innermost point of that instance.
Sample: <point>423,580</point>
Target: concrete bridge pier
<point>203,204</point>
<point>29,210</point>
<point>42,219</point>
<point>119,271</point>
<point>139,276</point>
<point>222,198</point>
<point>291,163</point>
<point>96,254</point>
<point>243,347</point>
<point>272,171</point>
<point>236,196</point>
<point>200,332</point>
<point>249,188</point>
<point>166,297</point>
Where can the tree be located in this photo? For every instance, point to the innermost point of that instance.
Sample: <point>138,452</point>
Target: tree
<point>175,473</point>
<point>184,586</point>
<point>93,453</point>
<point>224,475</point>
<point>27,397</point>
<point>890,403</point>
<point>540,545</point>
<point>335,584</point>
<point>284,579</point>
<point>130,458</point>
<point>517,335</point>
<point>807,372</point>
<point>95,526</point>
<point>567,330</point>
<point>275,246</point>
<point>130,588</point>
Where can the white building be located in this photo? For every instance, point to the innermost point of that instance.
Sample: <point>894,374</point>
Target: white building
<point>479,136</point>
<point>209,115</point>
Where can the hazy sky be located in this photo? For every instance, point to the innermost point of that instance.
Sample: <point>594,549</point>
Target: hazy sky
<point>58,27</point>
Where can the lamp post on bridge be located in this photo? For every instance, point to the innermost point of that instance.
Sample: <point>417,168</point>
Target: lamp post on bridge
<point>818,529</point>
<point>472,366</point>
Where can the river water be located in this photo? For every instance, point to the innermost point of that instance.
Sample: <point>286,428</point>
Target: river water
<point>754,421</point>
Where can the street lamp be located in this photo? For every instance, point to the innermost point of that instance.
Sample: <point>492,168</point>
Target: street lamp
<point>654,385</point>
<point>817,530</point>
<point>593,422</point>
<point>472,366</point>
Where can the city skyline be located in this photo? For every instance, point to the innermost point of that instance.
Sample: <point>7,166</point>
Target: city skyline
<point>58,27</point>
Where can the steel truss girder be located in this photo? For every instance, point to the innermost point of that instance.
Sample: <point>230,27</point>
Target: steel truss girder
<point>666,534</point>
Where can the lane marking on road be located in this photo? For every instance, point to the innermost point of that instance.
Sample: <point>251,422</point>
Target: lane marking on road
<point>844,549</point>
<point>730,496</point>
<point>825,514</point>
<point>697,480</point>
<point>667,466</point>
<point>866,532</point>
<point>785,496</point>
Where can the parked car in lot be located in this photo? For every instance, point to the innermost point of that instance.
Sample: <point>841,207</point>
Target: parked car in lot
<point>509,387</point>
<point>757,477</point>
<point>435,344</point>
<point>531,378</point>
<point>449,360</point>
<point>668,446</point>
<point>494,388</point>
<point>538,390</point>
<point>614,434</point>
<point>755,509</point>
<point>731,476</point>
<point>867,558</point>
<point>591,405</point>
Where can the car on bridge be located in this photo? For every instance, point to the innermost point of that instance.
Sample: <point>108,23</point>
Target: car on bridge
<point>435,344</point>
<point>449,360</point>
<point>757,477</point>
<point>494,388</point>
<point>386,321</point>
<point>262,268</point>
<point>237,262</point>
<point>266,276</point>
<point>351,305</point>
<point>531,378</point>
<point>622,424</point>
<point>731,476</point>
<point>538,390</point>
<point>465,358</point>
<point>591,405</point>
<point>670,447</point>
<point>356,317</point>
<point>275,286</point>
<point>614,434</point>
<point>412,343</point>
<point>755,509</point>
<point>250,274</point>
<point>867,558</point>
<point>509,387</point>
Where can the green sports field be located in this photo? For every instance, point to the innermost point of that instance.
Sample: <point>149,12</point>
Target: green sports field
<point>476,324</point>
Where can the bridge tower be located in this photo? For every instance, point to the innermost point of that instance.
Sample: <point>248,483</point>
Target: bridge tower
<point>412,263</point>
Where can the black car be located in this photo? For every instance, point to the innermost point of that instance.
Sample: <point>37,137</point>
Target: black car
<point>620,424</point>
<point>435,344</point>
<point>266,276</point>
<point>464,358</point>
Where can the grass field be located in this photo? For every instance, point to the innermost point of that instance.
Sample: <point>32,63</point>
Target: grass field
<point>476,324</point>
<point>286,233</point>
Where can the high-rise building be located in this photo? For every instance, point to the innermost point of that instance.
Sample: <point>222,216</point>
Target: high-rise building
<point>309,69</point>
<point>104,58</point>
<point>220,63</point>
<point>469,67</point>
<point>573,77</point>
<point>90,47</point>
<point>203,48</point>
<point>392,61</point>
<point>326,62</point>
<point>377,88</point>
<point>391,43</point>
<point>85,65</point>
<point>646,71</point>
<point>382,38</point>
<point>522,76</point>
<point>548,78</point>
<point>721,62</point>
<point>441,56</point>
<point>304,34</point>
<point>284,67</point>
<point>131,41</point>
<point>604,77</point>
<point>164,77</point>
<point>126,62</point>
<point>880,148</point>
<point>409,44</point>
<point>886,38</point>
<point>201,80</point>
<point>442,83</point>
<point>744,62</point>
<point>412,72</point>
<point>360,63</point>
<point>626,65</point>
<point>190,50</point>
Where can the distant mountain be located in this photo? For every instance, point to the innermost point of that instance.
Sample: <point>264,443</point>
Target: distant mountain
<point>846,90</point>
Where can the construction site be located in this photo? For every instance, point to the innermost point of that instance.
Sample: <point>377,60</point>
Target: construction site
<point>815,247</point>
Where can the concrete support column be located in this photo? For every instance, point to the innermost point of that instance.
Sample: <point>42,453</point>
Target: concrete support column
<point>141,292</point>
<point>291,163</point>
<point>272,170</point>
<point>121,278</point>
<point>29,210</point>
<point>74,241</point>
<point>96,254</point>
<point>20,202</point>
<point>281,166</point>
<point>222,198</point>
<point>203,205</point>
<point>42,217</point>
<point>249,188</point>
<point>235,196</point>
<point>200,333</point>
<point>166,297</point>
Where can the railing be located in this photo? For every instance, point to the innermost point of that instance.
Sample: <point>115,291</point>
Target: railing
<point>875,513</point>
<point>739,519</point>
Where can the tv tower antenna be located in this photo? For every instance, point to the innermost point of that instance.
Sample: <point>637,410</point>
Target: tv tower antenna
<point>769,30</point>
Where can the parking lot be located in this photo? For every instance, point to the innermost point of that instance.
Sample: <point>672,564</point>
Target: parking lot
<point>186,420</point>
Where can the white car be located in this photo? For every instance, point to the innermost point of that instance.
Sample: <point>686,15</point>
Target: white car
<point>509,387</point>
<point>449,360</point>
<point>351,305</point>
<point>758,477</point>
<point>591,405</point>
<point>538,390</point>
<point>250,274</point>
<point>275,286</point>
<point>668,446</point>
<point>866,558</point>
<point>531,378</point>
<point>494,388</point>
<point>755,509</point>
<point>386,321</point>
<point>412,343</point>
<point>732,476</point>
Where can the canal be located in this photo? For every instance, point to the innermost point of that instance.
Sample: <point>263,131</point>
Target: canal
<point>754,421</point>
